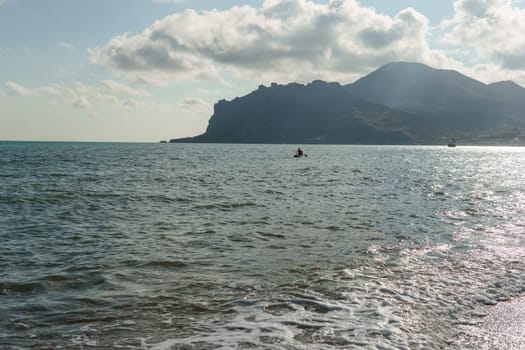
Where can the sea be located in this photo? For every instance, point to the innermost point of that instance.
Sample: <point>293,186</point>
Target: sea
<point>220,246</point>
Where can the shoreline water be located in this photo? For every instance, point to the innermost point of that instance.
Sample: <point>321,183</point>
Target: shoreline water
<point>502,326</point>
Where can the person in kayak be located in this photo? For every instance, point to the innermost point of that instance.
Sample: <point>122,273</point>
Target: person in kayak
<point>299,152</point>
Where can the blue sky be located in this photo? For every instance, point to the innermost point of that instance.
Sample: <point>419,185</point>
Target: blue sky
<point>145,70</point>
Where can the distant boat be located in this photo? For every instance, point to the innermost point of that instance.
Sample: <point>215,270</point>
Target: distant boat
<point>163,141</point>
<point>299,153</point>
<point>452,143</point>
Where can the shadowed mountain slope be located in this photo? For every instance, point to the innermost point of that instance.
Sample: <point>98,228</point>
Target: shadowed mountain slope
<point>400,103</point>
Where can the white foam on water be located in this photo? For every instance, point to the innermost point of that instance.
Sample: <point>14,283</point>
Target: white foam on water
<point>406,297</point>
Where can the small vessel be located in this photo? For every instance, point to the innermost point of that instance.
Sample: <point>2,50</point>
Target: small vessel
<point>452,143</point>
<point>300,153</point>
<point>163,141</point>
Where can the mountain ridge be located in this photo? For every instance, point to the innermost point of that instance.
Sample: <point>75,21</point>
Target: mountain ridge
<point>399,103</point>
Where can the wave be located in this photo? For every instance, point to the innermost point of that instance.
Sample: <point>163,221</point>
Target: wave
<point>227,206</point>
<point>20,287</point>
<point>168,264</point>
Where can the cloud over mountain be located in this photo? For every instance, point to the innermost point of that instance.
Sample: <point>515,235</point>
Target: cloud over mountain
<point>301,40</point>
<point>492,28</point>
<point>282,40</point>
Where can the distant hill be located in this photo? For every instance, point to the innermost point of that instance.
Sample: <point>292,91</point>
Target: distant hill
<point>400,103</point>
<point>446,100</point>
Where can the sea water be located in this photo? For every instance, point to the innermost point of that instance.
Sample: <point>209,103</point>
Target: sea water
<point>206,246</point>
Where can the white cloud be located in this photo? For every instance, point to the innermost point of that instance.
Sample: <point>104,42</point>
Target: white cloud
<point>49,90</point>
<point>81,102</point>
<point>88,96</point>
<point>12,88</point>
<point>193,101</point>
<point>492,29</point>
<point>283,40</point>
<point>197,104</point>
<point>85,96</point>
<point>119,88</point>
<point>17,89</point>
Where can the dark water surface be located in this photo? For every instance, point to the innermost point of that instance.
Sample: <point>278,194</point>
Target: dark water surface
<point>181,246</point>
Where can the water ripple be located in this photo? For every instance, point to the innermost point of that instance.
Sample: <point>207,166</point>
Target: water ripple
<point>241,246</point>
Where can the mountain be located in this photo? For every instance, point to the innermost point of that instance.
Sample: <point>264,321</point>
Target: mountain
<point>319,112</point>
<point>444,99</point>
<point>400,103</point>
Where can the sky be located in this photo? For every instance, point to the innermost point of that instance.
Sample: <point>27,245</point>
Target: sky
<point>146,70</point>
